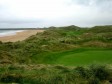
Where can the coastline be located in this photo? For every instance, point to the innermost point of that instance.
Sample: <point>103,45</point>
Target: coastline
<point>19,36</point>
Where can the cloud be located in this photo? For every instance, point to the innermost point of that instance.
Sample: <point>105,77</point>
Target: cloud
<point>40,13</point>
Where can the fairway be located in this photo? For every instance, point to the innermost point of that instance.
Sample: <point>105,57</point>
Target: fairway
<point>81,57</point>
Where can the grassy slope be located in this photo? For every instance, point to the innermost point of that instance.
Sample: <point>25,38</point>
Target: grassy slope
<point>19,61</point>
<point>65,45</point>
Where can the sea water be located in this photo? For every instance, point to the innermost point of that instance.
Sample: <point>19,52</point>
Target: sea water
<point>8,32</point>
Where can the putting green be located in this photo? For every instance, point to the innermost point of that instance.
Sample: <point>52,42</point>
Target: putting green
<point>81,57</point>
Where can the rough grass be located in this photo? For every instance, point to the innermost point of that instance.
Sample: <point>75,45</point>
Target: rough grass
<point>47,74</point>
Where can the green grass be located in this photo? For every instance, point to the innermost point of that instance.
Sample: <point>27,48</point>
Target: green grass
<point>80,57</point>
<point>74,33</point>
<point>40,58</point>
<point>49,74</point>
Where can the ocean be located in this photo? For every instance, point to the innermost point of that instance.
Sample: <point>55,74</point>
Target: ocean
<point>13,31</point>
<point>9,32</point>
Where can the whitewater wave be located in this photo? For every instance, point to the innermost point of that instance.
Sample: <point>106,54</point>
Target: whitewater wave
<point>9,33</point>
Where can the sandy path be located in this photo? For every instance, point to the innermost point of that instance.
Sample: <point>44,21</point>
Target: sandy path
<point>19,36</point>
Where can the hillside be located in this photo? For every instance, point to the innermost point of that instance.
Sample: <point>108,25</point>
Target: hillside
<point>56,40</point>
<point>69,46</point>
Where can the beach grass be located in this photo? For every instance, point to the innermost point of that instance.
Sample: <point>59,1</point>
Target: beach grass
<point>59,55</point>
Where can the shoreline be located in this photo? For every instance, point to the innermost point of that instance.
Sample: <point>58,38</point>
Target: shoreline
<point>10,33</point>
<point>19,36</point>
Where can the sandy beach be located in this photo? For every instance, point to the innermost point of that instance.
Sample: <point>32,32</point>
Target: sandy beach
<point>19,36</point>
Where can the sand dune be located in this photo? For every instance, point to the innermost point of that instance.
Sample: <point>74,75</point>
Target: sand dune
<point>19,36</point>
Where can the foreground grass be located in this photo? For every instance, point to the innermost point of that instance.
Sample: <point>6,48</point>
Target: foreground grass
<point>47,74</point>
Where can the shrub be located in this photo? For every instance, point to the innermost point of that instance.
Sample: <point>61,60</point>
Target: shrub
<point>83,72</point>
<point>8,78</point>
<point>101,72</point>
<point>94,81</point>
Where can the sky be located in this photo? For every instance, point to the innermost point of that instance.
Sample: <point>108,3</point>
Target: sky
<point>46,13</point>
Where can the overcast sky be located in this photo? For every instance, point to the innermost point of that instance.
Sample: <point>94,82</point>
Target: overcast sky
<point>45,13</point>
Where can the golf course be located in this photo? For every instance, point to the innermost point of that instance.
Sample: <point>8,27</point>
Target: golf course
<point>59,55</point>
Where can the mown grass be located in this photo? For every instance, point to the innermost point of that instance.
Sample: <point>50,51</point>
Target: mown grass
<point>86,57</point>
<point>81,56</point>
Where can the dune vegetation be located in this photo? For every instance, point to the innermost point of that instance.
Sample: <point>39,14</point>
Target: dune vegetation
<point>59,55</point>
